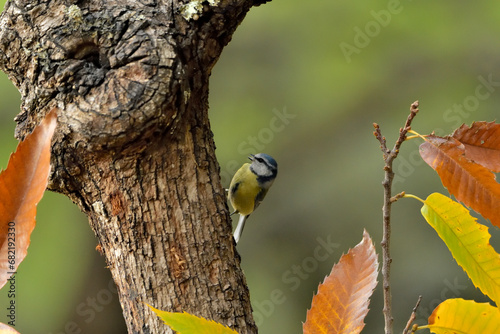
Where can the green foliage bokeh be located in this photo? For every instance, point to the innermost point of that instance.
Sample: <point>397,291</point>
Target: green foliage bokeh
<point>285,87</point>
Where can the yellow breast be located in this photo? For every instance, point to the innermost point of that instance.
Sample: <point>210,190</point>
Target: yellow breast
<point>243,190</point>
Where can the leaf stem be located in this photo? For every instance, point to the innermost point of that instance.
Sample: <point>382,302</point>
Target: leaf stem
<point>389,156</point>
<point>413,196</point>
<point>416,135</point>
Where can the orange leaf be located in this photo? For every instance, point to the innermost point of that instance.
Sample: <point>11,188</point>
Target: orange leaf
<point>342,300</point>
<point>4,329</point>
<point>482,143</point>
<point>22,186</point>
<point>471,183</point>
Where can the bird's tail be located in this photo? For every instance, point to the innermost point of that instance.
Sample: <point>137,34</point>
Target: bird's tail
<point>239,228</point>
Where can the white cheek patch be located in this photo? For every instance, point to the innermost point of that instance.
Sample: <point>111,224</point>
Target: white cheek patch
<point>261,169</point>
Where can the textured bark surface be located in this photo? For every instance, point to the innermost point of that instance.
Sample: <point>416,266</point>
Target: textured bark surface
<point>133,148</point>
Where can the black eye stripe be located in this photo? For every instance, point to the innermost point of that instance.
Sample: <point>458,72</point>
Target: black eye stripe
<point>262,161</point>
<point>265,162</point>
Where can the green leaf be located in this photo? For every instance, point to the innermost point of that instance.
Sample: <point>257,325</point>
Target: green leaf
<point>186,323</point>
<point>461,316</point>
<point>467,240</point>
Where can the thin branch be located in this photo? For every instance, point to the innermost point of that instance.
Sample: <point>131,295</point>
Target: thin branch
<point>407,127</point>
<point>397,196</point>
<point>381,139</point>
<point>409,328</point>
<point>389,156</point>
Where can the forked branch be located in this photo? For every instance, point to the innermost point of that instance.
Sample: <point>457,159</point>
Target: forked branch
<point>389,157</point>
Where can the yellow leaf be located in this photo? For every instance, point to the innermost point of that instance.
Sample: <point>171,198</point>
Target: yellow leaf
<point>459,316</point>
<point>467,240</point>
<point>342,300</point>
<point>185,323</point>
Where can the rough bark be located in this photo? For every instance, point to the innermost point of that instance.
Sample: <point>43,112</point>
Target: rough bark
<point>133,148</point>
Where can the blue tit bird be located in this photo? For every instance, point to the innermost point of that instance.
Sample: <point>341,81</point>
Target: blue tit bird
<point>249,186</point>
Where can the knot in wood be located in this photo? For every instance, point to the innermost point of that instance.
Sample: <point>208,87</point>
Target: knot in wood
<point>107,69</point>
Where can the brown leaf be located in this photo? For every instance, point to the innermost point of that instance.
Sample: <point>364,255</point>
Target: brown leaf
<point>471,183</point>
<point>482,143</point>
<point>342,300</point>
<point>22,186</point>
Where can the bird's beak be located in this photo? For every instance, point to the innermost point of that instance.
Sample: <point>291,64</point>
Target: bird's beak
<point>250,157</point>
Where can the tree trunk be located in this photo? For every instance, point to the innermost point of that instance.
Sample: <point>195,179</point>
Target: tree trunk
<point>133,148</point>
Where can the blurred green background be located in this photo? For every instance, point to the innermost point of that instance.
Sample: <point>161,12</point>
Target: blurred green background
<point>304,81</point>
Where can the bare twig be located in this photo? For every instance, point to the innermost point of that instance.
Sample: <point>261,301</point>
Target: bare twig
<point>397,196</point>
<point>409,328</point>
<point>389,156</point>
